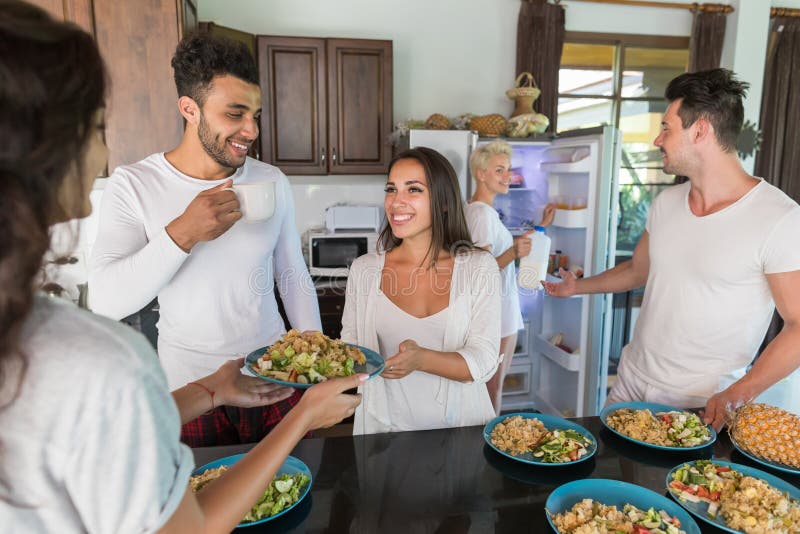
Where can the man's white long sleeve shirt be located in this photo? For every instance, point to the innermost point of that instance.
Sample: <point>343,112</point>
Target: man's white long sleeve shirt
<point>215,302</point>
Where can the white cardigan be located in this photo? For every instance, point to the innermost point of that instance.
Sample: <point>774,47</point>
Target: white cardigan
<point>472,330</point>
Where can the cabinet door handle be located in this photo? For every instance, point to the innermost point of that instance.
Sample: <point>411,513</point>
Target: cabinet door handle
<point>322,155</point>
<point>333,154</point>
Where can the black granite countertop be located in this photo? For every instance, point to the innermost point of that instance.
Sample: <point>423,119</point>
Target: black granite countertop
<point>450,481</point>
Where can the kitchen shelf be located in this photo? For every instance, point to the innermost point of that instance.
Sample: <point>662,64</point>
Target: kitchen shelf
<point>580,166</point>
<point>571,218</point>
<point>570,362</point>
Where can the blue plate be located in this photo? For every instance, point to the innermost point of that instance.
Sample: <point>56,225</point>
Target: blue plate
<point>774,465</point>
<point>614,493</point>
<point>373,367</point>
<point>654,408</point>
<point>700,509</point>
<point>291,466</point>
<point>550,422</point>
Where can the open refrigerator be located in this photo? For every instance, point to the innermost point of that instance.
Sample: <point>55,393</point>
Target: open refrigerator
<point>577,169</point>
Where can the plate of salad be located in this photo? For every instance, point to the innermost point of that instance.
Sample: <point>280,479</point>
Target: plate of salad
<point>657,426</point>
<point>289,486</point>
<point>302,359</point>
<point>539,439</point>
<point>600,505</point>
<point>734,497</point>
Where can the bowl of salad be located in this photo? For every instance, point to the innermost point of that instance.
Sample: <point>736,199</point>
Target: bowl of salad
<point>289,486</point>
<point>539,439</point>
<point>301,359</point>
<point>657,425</point>
<point>600,505</point>
<point>736,498</point>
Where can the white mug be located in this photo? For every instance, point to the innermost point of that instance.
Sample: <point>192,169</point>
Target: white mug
<point>256,200</point>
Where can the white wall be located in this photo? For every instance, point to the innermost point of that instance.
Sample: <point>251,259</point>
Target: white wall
<point>450,56</point>
<point>456,56</point>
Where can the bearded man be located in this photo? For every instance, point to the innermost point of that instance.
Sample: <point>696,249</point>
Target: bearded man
<point>170,228</point>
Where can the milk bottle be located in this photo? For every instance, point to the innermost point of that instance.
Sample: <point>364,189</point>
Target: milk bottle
<point>533,267</point>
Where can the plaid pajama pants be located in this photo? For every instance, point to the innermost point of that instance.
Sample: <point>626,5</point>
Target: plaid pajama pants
<point>229,425</point>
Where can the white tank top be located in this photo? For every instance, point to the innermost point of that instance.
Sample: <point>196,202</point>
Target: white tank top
<point>412,399</point>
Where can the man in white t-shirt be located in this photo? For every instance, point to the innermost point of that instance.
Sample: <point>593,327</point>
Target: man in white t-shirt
<point>719,254</point>
<point>170,228</point>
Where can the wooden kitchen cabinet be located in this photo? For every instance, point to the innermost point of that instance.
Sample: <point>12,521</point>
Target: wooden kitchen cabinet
<point>294,104</point>
<point>137,41</point>
<point>331,307</point>
<point>327,104</point>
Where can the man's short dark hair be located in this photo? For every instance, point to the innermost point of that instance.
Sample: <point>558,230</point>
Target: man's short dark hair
<point>715,95</point>
<point>201,56</point>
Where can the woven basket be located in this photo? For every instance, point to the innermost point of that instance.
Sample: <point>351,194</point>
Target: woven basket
<point>524,93</point>
<point>524,88</point>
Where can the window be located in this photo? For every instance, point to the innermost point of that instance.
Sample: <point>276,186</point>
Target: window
<point>620,80</point>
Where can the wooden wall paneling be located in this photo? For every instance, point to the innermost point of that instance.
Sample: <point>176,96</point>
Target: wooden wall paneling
<point>81,12</point>
<point>360,105</point>
<point>292,73</point>
<point>137,40</point>
<point>188,16</point>
<point>54,7</point>
<point>77,11</point>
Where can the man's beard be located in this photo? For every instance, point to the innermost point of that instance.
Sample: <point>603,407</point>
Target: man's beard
<point>214,147</point>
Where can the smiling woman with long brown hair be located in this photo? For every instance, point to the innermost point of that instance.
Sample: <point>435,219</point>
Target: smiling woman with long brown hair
<point>429,302</point>
<point>90,432</point>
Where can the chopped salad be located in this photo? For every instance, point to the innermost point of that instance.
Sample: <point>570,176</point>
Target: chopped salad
<point>745,503</point>
<point>668,429</point>
<point>590,516</point>
<point>282,492</point>
<point>517,435</point>
<point>308,358</point>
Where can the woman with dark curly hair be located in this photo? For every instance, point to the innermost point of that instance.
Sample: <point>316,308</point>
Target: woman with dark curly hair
<point>90,431</point>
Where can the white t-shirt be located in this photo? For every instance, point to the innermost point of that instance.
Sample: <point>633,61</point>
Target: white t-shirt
<point>412,399</point>
<point>486,229</point>
<point>92,441</point>
<point>707,304</point>
<point>215,302</point>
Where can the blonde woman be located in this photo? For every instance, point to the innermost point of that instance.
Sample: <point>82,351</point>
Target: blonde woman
<point>490,166</point>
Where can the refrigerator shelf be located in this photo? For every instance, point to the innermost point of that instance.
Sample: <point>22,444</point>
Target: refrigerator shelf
<point>545,406</point>
<point>580,166</point>
<point>571,218</point>
<point>570,362</point>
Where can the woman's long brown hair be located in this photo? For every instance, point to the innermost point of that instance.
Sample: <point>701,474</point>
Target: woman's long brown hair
<point>52,83</point>
<point>449,226</point>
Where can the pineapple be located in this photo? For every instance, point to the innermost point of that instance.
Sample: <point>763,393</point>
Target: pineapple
<point>767,432</point>
<point>437,121</point>
<point>488,125</point>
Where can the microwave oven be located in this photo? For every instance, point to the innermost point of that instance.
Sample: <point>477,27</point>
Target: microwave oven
<point>331,253</point>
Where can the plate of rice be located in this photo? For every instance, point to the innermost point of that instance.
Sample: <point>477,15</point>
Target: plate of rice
<point>657,426</point>
<point>539,439</point>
